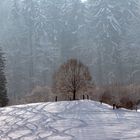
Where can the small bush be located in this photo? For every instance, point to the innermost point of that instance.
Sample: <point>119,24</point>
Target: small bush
<point>106,98</point>
<point>38,94</point>
<point>127,103</point>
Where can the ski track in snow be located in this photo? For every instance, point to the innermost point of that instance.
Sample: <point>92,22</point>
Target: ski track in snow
<point>77,120</point>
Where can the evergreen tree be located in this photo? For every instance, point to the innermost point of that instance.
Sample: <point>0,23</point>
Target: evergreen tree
<point>3,91</point>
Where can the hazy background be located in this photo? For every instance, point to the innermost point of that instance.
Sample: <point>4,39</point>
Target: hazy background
<point>37,36</point>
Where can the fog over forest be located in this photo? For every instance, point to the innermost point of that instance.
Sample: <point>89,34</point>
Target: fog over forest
<point>37,36</point>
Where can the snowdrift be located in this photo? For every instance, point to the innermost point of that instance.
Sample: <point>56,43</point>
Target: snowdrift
<point>75,120</point>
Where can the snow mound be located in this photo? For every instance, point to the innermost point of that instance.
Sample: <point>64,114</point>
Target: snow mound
<point>75,120</point>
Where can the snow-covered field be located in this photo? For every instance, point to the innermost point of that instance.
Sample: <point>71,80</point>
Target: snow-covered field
<point>77,120</point>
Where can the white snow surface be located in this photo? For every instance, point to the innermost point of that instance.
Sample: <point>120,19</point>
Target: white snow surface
<point>75,120</point>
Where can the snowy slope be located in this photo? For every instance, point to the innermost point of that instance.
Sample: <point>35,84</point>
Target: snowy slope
<point>78,120</point>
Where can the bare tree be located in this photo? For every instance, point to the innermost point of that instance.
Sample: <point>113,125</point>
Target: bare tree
<point>72,77</point>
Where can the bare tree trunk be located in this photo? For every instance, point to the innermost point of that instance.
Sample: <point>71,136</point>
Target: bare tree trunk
<point>56,99</point>
<point>74,95</point>
<point>83,97</point>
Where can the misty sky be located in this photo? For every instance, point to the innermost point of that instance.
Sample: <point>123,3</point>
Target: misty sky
<point>83,0</point>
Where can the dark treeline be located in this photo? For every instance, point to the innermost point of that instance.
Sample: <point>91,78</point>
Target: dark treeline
<point>39,35</point>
